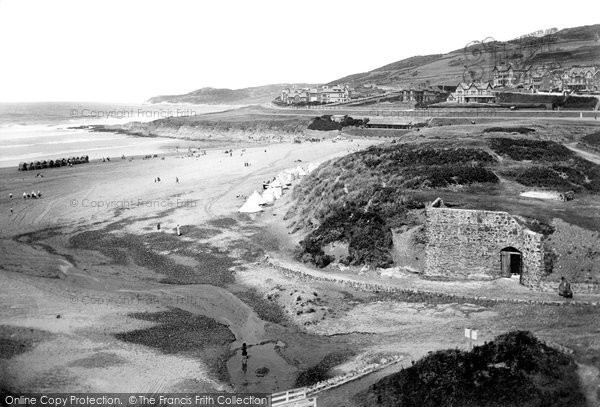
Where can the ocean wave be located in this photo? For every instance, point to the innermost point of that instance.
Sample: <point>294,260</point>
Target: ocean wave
<point>84,151</point>
<point>84,140</point>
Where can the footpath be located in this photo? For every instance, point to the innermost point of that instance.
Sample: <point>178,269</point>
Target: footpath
<point>400,283</point>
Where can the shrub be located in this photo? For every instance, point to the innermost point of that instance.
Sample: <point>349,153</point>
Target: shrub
<point>369,238</point>
<point>531,150</point>
<point>514,370</point>
<point>324,123</point>
<point>520,130</point>
<point>592,139</point>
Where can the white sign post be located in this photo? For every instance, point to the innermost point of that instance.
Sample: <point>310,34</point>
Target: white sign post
<point>471,334</point>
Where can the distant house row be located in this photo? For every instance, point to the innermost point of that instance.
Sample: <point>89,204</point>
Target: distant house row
<point>580,79</point>
<point>324,94</point>
<point>60,162</point>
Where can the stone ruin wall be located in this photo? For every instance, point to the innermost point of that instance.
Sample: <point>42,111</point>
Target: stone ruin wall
<point>467,243</point>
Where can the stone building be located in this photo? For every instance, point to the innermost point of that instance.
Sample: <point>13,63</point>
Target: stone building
<point>474,244</point>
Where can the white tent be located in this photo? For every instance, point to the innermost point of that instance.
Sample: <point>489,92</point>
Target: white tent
<point>284,178</point>
<point>291,173</point>
<point>277,192</point>
<point>258,198</point>
<point>252,204</point>
<point>269,195</point>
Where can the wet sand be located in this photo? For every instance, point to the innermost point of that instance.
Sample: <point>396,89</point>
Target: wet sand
<point>85,274</point>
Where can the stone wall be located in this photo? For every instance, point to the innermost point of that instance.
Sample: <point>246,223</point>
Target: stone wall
<point>578,288</point>
<point>467,243</point>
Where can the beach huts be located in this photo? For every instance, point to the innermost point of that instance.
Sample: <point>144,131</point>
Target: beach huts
<point>59,162</point>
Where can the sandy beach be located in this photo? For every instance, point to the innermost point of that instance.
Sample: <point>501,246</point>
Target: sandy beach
<point>65,301</point>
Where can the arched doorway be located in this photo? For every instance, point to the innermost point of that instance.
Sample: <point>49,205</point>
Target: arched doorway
<point>511,262</point>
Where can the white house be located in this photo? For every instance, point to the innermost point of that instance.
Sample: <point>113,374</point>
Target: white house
<point>475,92</point>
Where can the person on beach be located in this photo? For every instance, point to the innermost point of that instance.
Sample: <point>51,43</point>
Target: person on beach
<point>244,356</point>
<point>158,226</point>
<point>10,195</point>
<point>177,180</point>
<point>564,288</point>
<point>39,194</point>
<point>24,195</point>
<point>11,211</point>
<point>178,231</point>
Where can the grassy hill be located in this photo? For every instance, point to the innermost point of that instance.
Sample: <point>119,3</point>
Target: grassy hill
<point>568,47</point>
<point>245,96</point>
<point>514,370</point>
<point>571,46</point>
<point>249,123</point>
<point>357,200</point>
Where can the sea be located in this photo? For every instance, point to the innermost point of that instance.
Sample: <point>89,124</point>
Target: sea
<point>40,131</point>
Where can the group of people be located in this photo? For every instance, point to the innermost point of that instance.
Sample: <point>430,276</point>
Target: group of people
<point>32,195</point>
<point>157,179</point>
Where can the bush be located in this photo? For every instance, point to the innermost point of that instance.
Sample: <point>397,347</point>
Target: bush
<point>324,123</point>
<point>520,130</point>
<point>531,150</point>
<point>592,139</point>
<point>514,370</point>
<point>578,177</point>
<point>367,234</point>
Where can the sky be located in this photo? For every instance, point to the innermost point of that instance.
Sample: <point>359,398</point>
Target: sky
<point>130,50</point>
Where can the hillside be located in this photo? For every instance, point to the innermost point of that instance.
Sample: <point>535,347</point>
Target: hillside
<point>567,47</point>
<point>212,96</point>
<point>248,124</point>
<point>360,200</point>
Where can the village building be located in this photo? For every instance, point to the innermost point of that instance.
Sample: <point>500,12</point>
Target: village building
<point>475,92</point>
<point>324,94</point>
<point>574,79</point>
<point>334,94</point>
<point>581,79</point>
<point>546,82</point>
<point>508,76</point>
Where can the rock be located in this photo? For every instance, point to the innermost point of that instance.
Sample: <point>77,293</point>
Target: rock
<point>262,371</point>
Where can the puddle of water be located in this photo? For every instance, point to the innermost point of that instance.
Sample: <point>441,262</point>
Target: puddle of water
<point>281,376</point>
<point>184,260</point>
